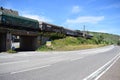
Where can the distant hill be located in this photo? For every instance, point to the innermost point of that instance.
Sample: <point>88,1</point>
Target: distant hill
<point>106,38</point>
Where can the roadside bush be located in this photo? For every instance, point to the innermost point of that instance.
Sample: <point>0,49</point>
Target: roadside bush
<point>118,43</point>
<point>45,48</point>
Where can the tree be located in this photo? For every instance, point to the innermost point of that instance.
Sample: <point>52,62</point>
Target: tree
<point>118,43</point>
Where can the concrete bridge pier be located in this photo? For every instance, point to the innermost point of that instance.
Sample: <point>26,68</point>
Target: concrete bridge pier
<point>29,43</point>
<point>5,41</point>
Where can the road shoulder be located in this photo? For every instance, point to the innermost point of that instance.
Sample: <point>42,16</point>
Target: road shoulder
<point>113,73</point>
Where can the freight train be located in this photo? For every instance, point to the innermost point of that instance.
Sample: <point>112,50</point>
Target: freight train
<point>46,27</point>
<point>13,20</point>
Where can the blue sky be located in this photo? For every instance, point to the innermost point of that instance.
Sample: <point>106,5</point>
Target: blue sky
<point>96,15</point>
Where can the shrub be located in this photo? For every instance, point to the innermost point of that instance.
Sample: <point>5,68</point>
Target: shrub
<point>118,43</point>
<point>11,51</point>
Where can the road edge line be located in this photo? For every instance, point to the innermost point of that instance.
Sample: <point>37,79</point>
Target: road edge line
<point>108,68</point>
<point>100,71</point>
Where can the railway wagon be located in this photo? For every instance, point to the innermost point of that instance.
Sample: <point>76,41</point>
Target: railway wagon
<point>50,27</point>
<point>69,32</point>
<point>88,36</point>
<point>79,33</point>
<point>18,22</point>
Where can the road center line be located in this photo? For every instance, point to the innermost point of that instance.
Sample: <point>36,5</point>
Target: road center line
<point>14,62</point>
<point>30,69</point>
<point>76,59</point>
<point>98,73</point>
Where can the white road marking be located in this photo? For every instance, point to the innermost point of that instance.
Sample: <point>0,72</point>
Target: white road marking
<point>98,73</point>
<point>76,59</point>
<point>107,69</point>
<point>6,56</point>
<point>54,57</point>
<point>30,69</point>
<point>14,62</point>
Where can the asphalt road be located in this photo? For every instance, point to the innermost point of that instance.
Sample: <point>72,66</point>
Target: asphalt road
<point>113,73</point>
<point>65,65</point>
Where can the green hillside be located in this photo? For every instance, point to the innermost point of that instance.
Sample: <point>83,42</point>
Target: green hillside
<point>105,38</point>
<point>76,43</point>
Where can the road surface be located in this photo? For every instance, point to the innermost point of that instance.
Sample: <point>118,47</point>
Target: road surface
<point>113,73</point>
<point>87,64</point>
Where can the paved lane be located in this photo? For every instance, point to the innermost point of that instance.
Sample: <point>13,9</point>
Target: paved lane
<point>113,73</point>
<point>71,65</point>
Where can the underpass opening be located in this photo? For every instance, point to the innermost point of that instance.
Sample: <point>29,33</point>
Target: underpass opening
<point>28,43</point>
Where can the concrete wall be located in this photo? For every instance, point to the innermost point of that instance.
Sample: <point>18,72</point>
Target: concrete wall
<point>5,41</point>
<point>2,42</point>
<point>8,41</point>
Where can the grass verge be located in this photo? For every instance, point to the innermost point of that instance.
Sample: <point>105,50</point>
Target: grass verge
<point>69,44</point>
<point>11,51</point>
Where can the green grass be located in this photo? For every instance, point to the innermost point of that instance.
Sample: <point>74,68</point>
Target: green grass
<point>76,47</point>
<point>11,51</point>
<point>69,43</point>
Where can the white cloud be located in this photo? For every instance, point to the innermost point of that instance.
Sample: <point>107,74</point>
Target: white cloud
<point>37,17</point>
<point>76,9</point>
<point>103,31</point>
<point>86,19</point>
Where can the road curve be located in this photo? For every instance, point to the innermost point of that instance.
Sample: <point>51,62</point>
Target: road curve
<point>65,65</point>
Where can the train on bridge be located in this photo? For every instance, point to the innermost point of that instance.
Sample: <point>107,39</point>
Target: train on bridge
<point>11,19</point>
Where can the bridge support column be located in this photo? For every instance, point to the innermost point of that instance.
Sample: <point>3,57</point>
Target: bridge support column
<point>29,42</point>
<point>2,42</point>
<point>8,41</point>
<point>5,41</point>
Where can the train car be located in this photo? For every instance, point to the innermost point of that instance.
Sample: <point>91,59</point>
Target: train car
<point>50,27</point>
<point>18,22</point>
<point>69,32</point>
<point>88,36</point>
<point>79,33</point>
<point>44,27</point>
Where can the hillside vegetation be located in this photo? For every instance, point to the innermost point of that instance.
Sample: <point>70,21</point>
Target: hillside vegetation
<point>105,38</point>
<point>76,43</point>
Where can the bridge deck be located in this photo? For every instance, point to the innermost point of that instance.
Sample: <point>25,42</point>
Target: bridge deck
<point>18,32</point>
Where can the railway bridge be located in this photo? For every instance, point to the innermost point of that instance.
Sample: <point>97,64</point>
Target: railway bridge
<point>28,40</point>
<point>29,31</point>
<point>13,24</point>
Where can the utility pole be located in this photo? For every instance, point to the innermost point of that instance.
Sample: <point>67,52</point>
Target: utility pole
<point>84,31</point>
